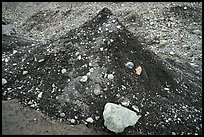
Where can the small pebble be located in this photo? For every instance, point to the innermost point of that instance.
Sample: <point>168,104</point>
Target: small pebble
<point>91,70</point>
<point>63,71</point>
<point>173,133</point>
<point>90,120</point>
<point>163,42</point>
<point>166,88</point>
<point>72,121</point>
<point>14,51</point>
<point>62,114</point>
<point>129,65</point>
<point>84,79</point>
<point>40,95</point>
<point>171,53</point>
<point>135,108</point>
<point>25,72</point>
<point>110,76</point>
<point>41,60</point>
<point>4,81</point>
<point>125,103</point>
<point>6,60</point>
<point>138,70</point>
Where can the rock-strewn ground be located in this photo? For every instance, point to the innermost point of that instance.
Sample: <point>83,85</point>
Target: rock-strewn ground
<point>45,69</point>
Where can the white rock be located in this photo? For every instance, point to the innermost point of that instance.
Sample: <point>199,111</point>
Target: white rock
<point>90,120</point>
<point>110,76</point>
<point>63,71</point>
<point>135,108</point>
<point>117,118</point>
<point>166,88</point>
<point>79,57</point>
<point>14,51</point>
<point>125,103</point>
<point>6,60</point>
<point>90,64</point>
<point>72,121</point>
<point>4,81</point>
<point>97,90</point>
<point>171,53</point>
<point>25,72</point>
<point>40,95</point>
<point>97,117</point>
<point>84,79</point>
<point>91,70</point>
<point>88,74</point>
<point>163,42</point>
<point>62,114</point>
<point>41,60</point>
<point>129,65</point>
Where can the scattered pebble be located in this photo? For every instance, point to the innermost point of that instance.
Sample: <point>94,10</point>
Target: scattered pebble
<point>91,70</point>
<point>79,57</point>
<point>185,8</point>
<point>14,51</point>
<point>63,71</point>
<point>166,88</point>
<point>97,90</point>
<point>41,60</point>
<point>97,117</point>
<point>25,72</point>
<point>72,121</point>
<point>138,70</point>
<point>62,114</point>
<point>4,81</point>
<point>163,42</point>
<point>129,65</point>
<point>173,133</point>
<point>171,53</point>
<point>84,79</point>
<point>110,76</point>
<point>90,64</point>
<point>90,120</point>
<point>135,108</point>
<point>40,95</point>
<point>6,60</point>
<point>125,103</point>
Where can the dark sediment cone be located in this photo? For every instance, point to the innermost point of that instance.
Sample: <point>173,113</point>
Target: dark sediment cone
<point>105,45</point>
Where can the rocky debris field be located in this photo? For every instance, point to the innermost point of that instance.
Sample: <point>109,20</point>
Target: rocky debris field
<point>71,75</point>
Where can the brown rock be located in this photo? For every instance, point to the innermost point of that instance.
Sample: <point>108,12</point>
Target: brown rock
<point>138,70</point>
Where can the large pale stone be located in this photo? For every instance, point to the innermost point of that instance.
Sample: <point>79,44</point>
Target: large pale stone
<point>117,118</point>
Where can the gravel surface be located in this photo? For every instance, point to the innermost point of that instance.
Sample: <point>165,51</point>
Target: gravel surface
<point>49,69</point>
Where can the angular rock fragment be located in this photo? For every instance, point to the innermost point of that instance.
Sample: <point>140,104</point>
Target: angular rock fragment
<point>117,118</point>
<point>138,70</point>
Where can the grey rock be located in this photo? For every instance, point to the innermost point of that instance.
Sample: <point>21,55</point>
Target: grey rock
<point>8,29</point>
<point>163,42</point>
<point>110,76</point>
<point>129,65</point>
<point>84,79</point>
<point>63,71</point>
<point>89,120</point>
<point>97,90</point>
<point>25,72</point>
<point>197,32</point>
<point>4,81</point>
<point>72,121</point>
<point>41,60</point>
<point>117,118</point>
<point>62,114</point>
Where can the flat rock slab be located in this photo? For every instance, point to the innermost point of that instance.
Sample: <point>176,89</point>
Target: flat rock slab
<point>117,118</point>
